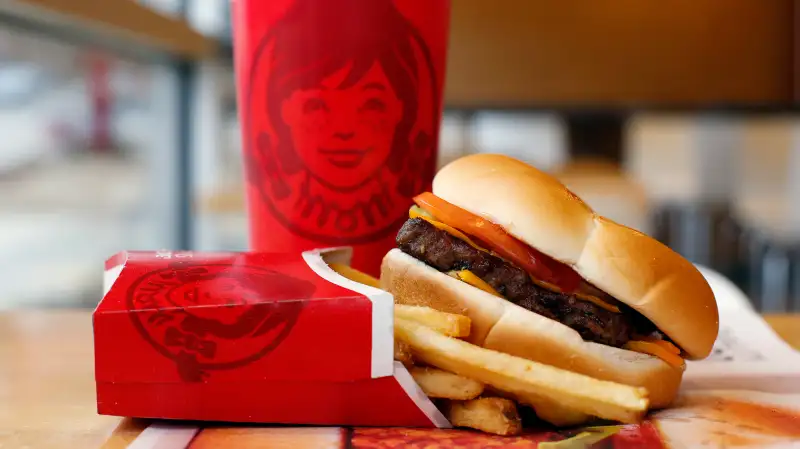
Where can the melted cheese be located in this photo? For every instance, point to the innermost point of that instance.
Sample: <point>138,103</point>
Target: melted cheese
<point>666,345</point>
<point>598,302</point>
<point>580,295</point>
<point>656,349</point>
<point>473,280</point>
<point>416,212</point>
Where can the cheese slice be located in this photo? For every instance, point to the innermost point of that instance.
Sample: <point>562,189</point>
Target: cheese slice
<point>580,295</point>
<point>598,302</point>
<point>655,349</point>
<point>473,280</point>
<point>416,212</point>
<point>666,345</point>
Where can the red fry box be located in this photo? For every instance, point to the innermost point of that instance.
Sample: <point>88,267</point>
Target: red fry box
<point>250,337</point>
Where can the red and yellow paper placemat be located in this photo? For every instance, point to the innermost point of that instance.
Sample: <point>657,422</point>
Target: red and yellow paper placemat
<point>709,419</point>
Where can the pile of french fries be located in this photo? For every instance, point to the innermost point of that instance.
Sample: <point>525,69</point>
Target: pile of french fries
<point>482,389</point>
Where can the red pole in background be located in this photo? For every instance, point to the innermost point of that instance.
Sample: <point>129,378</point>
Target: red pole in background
<point>101,100</point>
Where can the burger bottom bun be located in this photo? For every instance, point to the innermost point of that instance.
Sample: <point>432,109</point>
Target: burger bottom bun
<point>500,325</point>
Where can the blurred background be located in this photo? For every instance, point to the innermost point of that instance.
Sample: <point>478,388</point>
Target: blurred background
<point>119,128</point>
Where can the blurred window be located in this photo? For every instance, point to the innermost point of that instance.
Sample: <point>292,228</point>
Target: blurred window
<point>82,167</point>
<point>210,17</point>
<point>173,8</point>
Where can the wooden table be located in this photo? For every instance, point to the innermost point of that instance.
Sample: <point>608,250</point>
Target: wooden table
<point>47,397</point>
<point>47,387</point>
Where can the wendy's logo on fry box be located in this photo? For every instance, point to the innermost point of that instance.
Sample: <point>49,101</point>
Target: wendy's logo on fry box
<point>209,317</point>
<point>341,119</point>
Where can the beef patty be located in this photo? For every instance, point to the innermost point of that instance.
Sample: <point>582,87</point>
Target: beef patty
<point>437,248</point>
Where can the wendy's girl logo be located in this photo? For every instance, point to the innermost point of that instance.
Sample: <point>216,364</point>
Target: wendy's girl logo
<point>341,118</point>
<point>215,317</point>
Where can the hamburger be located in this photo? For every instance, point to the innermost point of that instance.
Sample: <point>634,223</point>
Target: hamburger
<point>543,277</point>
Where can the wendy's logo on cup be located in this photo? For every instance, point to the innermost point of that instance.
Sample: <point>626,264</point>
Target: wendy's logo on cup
<point>341,119</point>
<point>215,317</point>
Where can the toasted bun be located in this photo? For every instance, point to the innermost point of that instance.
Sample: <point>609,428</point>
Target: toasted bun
<point>503,326</point>
<point>630,266</point>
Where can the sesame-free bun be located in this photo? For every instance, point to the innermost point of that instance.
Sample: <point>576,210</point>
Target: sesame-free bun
<point>503,326</point>
<point>630,266</point>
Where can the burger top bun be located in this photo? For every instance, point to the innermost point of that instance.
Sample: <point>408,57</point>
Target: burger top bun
<point>630,266</point>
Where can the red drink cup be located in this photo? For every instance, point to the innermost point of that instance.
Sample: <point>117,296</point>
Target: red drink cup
<point>340,104</point>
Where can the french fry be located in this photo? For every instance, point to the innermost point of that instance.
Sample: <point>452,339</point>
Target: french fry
<point>446,323</point>
<point>545,409</point>
<point>442,384</point>
<point>402,353</point>
<point>435,381</point>
<point>524,378</point>
<point>449,324</point>
<point>355,275</point>
<point>492,415</point>
<point>552,411</point>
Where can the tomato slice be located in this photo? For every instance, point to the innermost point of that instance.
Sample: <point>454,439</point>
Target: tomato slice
<point>534,262</point>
